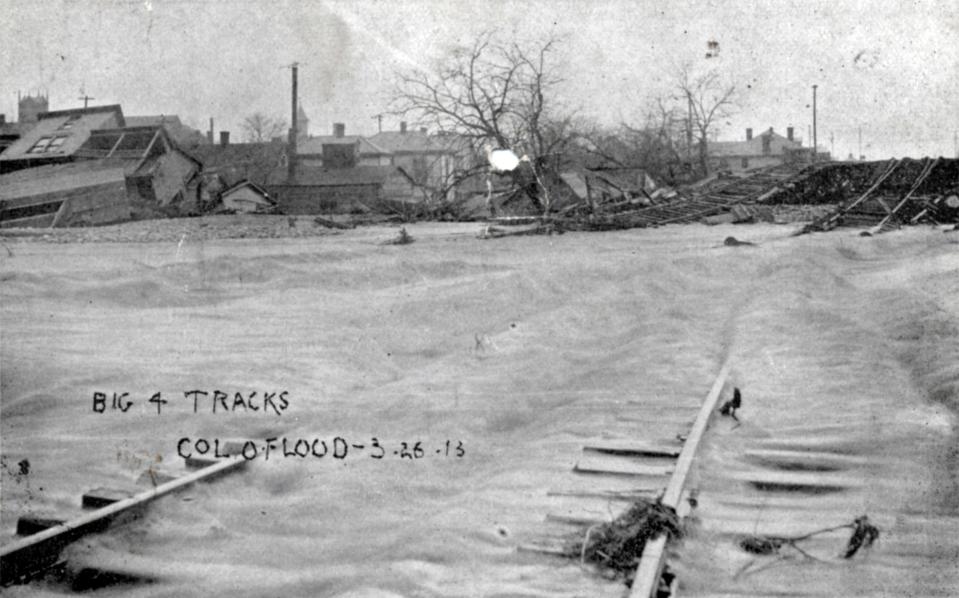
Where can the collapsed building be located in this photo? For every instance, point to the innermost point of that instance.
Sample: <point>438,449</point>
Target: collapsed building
<point>880,195</point>
<point>99,176</point>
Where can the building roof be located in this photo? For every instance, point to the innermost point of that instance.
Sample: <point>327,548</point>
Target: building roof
<point>58,177</point>
<point>245,183</point>
<point>314,145</point>
<point>238,161</point>
<point>154,120</point>
<point>398,142</point>
<point>136,149</point>
<point>59,134</point>
<point>752,147</point>
<point>335,177</point>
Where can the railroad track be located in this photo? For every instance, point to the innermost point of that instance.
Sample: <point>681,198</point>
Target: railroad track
<point>42,541</point>
<point>655,469</point>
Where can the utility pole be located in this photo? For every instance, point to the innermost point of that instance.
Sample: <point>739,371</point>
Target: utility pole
<point>859,155</point>
<point>379,122</point>
<point>86,99</point>
<point>291,161</point>
<point>832,143</point>
<point>815,143</point>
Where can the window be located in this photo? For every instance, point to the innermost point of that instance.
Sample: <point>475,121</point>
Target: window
<point>40,146</point>
<point>55,144</point>
<point>47,145</point>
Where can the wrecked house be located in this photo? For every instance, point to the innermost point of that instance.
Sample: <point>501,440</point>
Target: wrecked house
<point>58,195</point>
<point>158,172</point>
<point>878,195</point>
<point>57,136</point>
<point>154,173</point>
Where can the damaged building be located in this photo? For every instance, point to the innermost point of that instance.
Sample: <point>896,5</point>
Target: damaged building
<point>87,175</point>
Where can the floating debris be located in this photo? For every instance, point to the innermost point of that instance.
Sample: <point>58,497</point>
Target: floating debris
<point>618,545</point>
<point>864,534</point>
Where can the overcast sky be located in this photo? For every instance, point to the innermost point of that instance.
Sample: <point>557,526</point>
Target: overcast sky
<point>889,67</point>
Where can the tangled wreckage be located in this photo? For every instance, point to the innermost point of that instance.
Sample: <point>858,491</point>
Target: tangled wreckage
<point>878,196</point>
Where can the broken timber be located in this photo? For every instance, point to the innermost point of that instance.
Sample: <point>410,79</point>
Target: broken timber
<point>38,552</point>
<point>651,564</point>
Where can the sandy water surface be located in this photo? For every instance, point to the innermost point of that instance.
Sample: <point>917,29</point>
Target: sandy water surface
<point>521,349</point>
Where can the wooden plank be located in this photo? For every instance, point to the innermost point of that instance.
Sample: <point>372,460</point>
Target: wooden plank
<point>627,496</point>
<point>633,449</point>
<point>579,517</point>
<point>39,551</point>
<point>611,465</point>
<point>650,569</point>
<point>102,497</point>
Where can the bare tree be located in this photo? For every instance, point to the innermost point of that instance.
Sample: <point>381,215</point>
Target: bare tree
<point>494,93</point>
<point>258,127</point>
<point>708,99</point>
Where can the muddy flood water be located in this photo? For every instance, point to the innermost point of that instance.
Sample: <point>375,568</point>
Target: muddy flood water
<point>494,361</point>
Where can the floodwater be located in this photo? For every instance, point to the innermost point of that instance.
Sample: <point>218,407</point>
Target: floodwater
<point>501,358</point>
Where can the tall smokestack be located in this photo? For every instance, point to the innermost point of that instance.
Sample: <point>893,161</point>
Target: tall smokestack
<point>291,163</point>
<point>209,134</point>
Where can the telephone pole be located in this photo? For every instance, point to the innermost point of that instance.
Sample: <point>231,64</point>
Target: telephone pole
<point>815,143</point>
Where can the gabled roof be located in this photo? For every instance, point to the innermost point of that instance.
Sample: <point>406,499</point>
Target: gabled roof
<point>115,108</point>
<point>333,177</point>
<point>397,142</point>
<point>246,183</point>
<point>314,145</point>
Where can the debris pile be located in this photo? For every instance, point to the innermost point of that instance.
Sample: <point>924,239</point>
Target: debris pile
<point>617,546</point>
<point>864,535</point>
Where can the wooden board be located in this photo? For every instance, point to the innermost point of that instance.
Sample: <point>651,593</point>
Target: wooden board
<point>634,449</point>
<point>39,551</point>
<point>650,569</point>
<point>620,466</point>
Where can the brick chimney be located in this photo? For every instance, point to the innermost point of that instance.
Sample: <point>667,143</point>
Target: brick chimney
<point>789,133</point>
<point>339,130</point>
<point>403,126</point>
<point>749,134</point>
<point>224,138</point>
